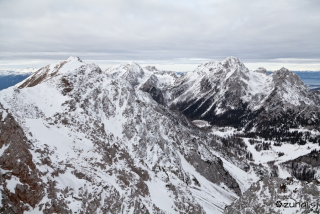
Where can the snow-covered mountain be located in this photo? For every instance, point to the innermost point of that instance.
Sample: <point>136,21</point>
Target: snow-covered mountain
<point>137,76</point>
<point>96,146</point>
<point>227,93</point>
<point>74,138</point>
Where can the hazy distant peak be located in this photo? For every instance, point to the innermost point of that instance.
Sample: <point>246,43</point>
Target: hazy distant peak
<point>15,72</point>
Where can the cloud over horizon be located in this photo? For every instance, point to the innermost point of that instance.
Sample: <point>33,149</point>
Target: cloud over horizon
<point>161,32</point>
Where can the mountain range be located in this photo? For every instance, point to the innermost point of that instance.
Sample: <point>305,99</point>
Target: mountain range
<point>11,77</point>
<point>219,139</point>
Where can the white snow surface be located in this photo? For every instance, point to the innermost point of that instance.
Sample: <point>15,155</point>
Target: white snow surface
<point>212,197</point>
<point>201,123</point>
<point>3,114</point>
<point>11,185</point>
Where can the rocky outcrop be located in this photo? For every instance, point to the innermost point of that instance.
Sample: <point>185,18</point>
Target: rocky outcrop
<point>21,186</point>
<point>150,86</point>
<point>262,71</point>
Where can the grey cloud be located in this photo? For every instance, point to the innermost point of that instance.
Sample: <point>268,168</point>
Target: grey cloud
<point>160,31</point>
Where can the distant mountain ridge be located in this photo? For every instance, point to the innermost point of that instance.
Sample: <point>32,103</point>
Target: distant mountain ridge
<point>307,74</point>
<point>26,71</point>
<point>11,77</point>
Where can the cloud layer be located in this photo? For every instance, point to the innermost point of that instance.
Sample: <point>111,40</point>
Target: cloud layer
<point>161,32</point>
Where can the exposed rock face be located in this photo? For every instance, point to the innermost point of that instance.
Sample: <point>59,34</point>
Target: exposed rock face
<point>150,86</point>
<point>21,186</point>
<point>316,93</point>
<point>262,70</point>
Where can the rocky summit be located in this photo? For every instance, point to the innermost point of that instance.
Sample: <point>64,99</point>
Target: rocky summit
<point>132,139</point>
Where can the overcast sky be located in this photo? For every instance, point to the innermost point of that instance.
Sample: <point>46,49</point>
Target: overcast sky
<point>172,34</point>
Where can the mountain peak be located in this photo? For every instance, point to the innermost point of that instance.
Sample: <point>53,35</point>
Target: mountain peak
<point>47,72</point>
<point>228,64</point>
<point>283,69</point>
<point>282,72</point>
<point>151,68</point>
<point>74,58</point>
<point>130,63</point>
<point>262,70</point>
<point>231,60</point>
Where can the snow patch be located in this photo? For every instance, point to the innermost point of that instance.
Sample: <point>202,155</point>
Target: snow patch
<point>160,195</point>
<point>11,184</point>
